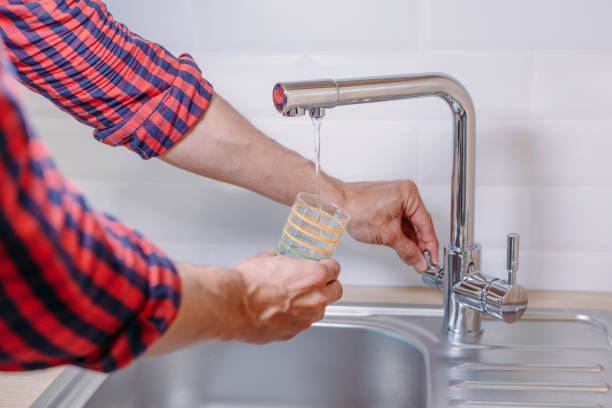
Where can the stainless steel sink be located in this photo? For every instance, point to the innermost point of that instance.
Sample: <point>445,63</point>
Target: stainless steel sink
<point>343,367</point>
<point>372,356</point>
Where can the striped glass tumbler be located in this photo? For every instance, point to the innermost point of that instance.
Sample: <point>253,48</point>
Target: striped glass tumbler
<point>310,233</point>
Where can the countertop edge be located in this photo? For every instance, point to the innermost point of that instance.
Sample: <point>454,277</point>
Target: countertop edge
<point>432,296</point>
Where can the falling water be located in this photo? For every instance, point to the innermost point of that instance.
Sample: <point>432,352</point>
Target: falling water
<point>316,124</point>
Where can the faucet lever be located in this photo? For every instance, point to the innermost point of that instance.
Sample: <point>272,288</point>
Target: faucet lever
<point>434,274</point>
<point>512,257</point>
<point>427,256</point>
<point>505,299</point>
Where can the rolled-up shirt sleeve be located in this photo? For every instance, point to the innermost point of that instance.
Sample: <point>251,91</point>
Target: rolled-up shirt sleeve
<point>76,285</point>
<point>132,91</point>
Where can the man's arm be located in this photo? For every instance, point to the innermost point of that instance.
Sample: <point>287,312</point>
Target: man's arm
<point>79,287</point>
<point>138,95</point>
<point>225,146</point>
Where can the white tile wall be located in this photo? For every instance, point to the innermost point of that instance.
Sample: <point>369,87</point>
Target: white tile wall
<point>573,84</point>
<point>362,152</point>
<point>273,26</point>
<point>524,153</point>
<point>539,74</point>
<point>173,24</point>
<point>519,24</point>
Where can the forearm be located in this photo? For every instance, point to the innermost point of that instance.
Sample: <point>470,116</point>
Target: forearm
<point>223,145</point>
<point>212,308</point>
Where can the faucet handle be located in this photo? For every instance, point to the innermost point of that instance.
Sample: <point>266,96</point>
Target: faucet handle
<point>434,274</point>
<point>512,257</point>
<point>427,256</point>
<point>505,299</point>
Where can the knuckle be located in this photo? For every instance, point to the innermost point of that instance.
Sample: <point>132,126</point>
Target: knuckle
<point>409,186</point>
<point>318,273</point>
<point>333,263</point>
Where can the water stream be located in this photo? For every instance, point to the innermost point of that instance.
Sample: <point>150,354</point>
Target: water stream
<point>316,124</point>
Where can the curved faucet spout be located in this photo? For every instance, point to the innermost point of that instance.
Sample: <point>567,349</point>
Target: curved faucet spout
<point>295,98</point>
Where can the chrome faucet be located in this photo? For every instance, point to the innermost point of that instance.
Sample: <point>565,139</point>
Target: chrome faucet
<point>467,292</point>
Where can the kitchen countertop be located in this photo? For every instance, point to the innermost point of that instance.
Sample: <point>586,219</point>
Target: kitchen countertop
<point>18,390</point>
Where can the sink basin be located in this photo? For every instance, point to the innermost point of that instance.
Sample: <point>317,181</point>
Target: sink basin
<point>372,356</point>
<point>343,367</point>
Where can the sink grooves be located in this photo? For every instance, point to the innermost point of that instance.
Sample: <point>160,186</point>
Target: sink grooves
<point>522,405</point>
<point>510,386</point>
<point>530,367</point>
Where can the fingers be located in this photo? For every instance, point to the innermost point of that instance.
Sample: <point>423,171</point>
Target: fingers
<point>312,306</point>
<point>409,230</point>
<point>410,253</point>
<point>333,291</point>
<point>425,233</point>
<point>331,270</point>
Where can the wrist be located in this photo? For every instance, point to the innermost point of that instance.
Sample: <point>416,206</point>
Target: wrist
<point>240,321</point>
<point>212,308</point>
<point>334,190</point>
<point>227,301</point>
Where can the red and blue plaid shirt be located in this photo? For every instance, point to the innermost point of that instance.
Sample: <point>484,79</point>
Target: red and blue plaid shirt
<point>76,285</point>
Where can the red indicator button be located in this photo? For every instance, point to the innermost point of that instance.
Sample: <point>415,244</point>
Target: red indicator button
<point>278,95</point>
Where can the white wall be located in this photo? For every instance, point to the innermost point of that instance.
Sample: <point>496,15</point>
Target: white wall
<point>540,74</point>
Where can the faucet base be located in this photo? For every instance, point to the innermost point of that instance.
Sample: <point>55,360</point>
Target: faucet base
<point>460,322</point>
<point>469,330</point>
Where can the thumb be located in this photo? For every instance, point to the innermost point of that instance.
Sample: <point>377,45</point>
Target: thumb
<point>266,253</point>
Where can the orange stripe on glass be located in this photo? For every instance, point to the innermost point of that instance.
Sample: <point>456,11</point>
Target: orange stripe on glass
<point>313,222</point>
<point>321,210</point>
<point>305,244</point>
<point>317,237</point>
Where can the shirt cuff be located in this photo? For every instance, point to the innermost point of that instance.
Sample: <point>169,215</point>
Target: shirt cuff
<point>162,293</point>
<point>165,118</point>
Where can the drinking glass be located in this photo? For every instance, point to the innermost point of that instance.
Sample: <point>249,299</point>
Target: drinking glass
<point>310,233</point>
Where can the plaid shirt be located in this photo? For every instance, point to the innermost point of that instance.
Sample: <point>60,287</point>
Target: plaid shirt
<point>76,285</point>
